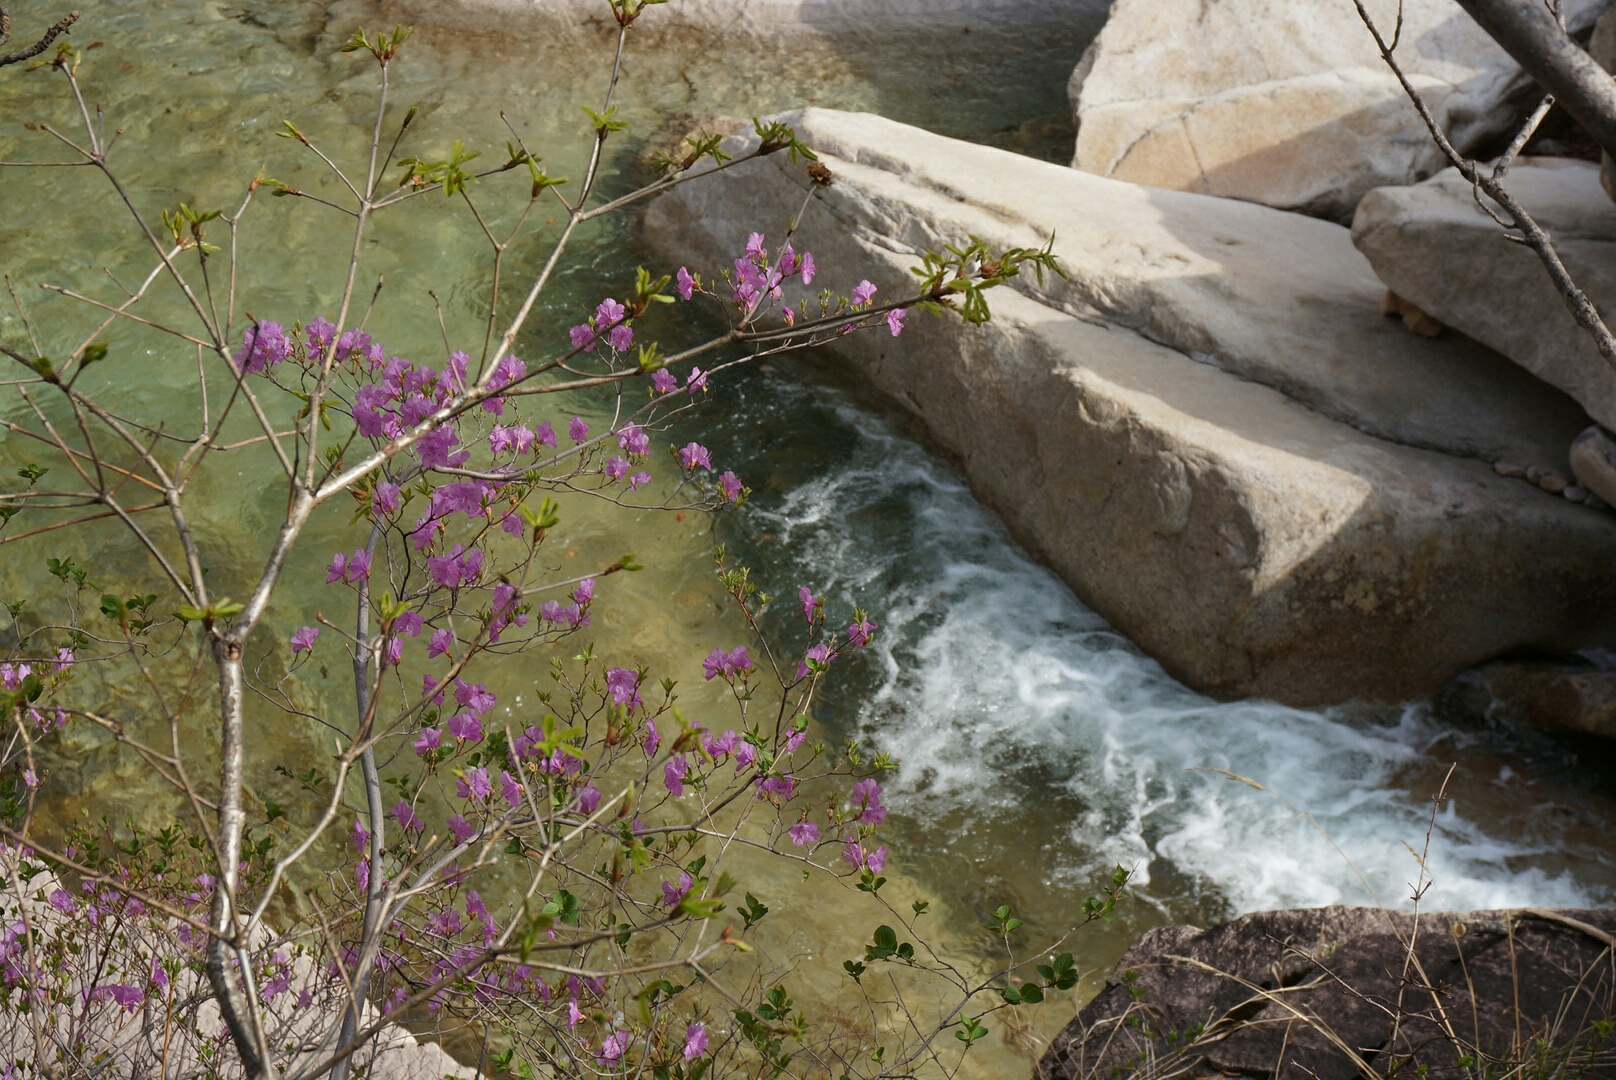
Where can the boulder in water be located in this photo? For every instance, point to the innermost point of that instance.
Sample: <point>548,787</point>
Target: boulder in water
<point>1208,428</point>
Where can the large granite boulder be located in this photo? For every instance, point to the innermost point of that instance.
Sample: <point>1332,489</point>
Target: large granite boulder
<point>1208,428</point>
<point>1338,993</point>
<point>1283,103</point>
<point>1433,245</point>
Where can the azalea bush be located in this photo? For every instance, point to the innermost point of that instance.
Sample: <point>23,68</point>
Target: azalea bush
<point>565,893</point>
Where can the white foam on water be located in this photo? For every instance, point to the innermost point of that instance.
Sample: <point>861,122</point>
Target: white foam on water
<point>998,686</point>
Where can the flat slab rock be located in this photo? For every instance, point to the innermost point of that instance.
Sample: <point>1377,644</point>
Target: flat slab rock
<point>1432,244</point>
<point>1287,104</point>
<point>1264,989</point>
<point>1209,430</point>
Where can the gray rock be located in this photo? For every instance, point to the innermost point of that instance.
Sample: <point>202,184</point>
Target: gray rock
<point>1294,995</point>
<point>1433,245</point>
<point>1551,695</point>
<point>1593,462</point>
<point>1602,47</point>
<point>1335,534</point>
<point>1286,104</point>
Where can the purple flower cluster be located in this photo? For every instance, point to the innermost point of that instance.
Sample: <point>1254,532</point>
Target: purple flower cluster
<point>349,568</point>
<point>756,277</point>
<point>726,664</point>
<point>264,345</point>
<point>819,654</point>
<point>606,323</point>
<point>867,801</point>
<point>874,861</point>
<point>623,686</point>
<point>694,455</point>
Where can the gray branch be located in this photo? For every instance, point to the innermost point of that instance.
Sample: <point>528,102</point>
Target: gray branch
<point>1530,33</point>
<point>62,26</point>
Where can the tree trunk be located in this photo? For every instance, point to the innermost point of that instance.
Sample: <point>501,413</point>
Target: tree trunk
<point>1528,32</point>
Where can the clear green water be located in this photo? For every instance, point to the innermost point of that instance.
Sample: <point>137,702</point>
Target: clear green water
<point>1038,747</point>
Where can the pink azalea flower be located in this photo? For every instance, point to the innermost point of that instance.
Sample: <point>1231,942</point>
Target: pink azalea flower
<point>440,644</point>
<point>406,816</point>
<point>673,775</point>
<point>819,654</point>
<point>463,830</point>
<point>695,1041</point>
<point>694,454</point>
<point>672,894</point>
<point>858,634</point>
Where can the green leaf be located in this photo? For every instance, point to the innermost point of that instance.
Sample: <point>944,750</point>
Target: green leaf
<point>776,136</point>
<point>700,908</point>
<point>753,911</point>
<point>604,122</point>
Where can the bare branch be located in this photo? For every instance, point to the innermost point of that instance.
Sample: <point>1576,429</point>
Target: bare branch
<point>62,26</point>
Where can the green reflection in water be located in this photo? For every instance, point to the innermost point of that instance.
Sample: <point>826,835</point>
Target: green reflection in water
<point>199,91</point>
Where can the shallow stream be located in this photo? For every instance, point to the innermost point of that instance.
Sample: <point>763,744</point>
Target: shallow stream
<point>1038,748</point>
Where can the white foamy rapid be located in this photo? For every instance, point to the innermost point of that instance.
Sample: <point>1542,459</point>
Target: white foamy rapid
<point>998,692</point>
